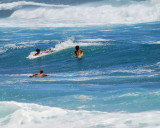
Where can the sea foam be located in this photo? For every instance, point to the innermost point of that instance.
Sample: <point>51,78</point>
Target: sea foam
<point>25,115</point>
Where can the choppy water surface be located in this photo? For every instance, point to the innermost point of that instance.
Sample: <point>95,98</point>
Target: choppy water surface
<point>115,84</point>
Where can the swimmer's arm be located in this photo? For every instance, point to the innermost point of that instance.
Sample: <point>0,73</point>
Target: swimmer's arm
<point>46,75</point>
<point>49,50</point>
<point>34,75</point>
<point>35,54</point>
<point>75,54</point>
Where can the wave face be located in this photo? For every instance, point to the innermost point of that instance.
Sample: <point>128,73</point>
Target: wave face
<point>32,14</point>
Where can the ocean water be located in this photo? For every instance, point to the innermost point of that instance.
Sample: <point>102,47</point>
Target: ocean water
<point>116,84</point>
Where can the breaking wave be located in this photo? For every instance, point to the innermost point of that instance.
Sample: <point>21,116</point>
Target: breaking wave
<point>33,115</point>
<point>50,15</point>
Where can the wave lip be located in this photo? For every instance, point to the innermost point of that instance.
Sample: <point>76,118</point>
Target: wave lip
<point>7,9</point>
<point>20,4</point>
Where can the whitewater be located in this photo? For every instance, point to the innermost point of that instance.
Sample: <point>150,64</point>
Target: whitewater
<point>116,84</point>
<point>31,14</point>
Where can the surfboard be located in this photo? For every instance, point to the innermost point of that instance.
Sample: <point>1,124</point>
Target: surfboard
<point>32,54</point>
<point>80,56</point>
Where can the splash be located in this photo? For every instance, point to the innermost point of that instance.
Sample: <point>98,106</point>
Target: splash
<point>70,43</point>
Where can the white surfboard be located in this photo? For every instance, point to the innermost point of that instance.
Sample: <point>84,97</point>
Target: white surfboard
<point>43,53</point>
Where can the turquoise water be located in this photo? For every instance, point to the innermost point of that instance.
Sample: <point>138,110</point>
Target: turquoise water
<point>115,84</point>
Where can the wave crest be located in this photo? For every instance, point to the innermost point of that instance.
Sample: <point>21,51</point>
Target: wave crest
<point>20,4</point>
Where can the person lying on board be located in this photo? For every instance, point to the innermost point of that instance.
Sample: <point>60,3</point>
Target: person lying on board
<point>41,74</point>
<point>40,51</point>
<point>78,52</point>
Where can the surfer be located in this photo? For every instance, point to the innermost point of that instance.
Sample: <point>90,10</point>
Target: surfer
<point>39,51</point>
<point>41,74</point>
<point>78,52</point>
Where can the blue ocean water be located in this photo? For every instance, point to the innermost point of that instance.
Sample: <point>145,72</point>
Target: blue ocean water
<point>116,84</point>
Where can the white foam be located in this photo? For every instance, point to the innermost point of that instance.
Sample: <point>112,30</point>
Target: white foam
<point>2,50</point>
<point>77,16</point>
<point>156,93</point>
<point>30,42</point>
<point>151,42</point>
<point>101,14</point>
<point>157,42</point>
<point>19,4</point>
<point>155,1</point>
<point>13,81</point>
<point>15,46</point>
<point>158,63</point>
<point>136,71</point>
<point>15,75</point>
<point>23,115</point>
<point>129,95</point>
<point>96,40</point>
<point>106,30</point>
<point>83,97</point>
<point>5,39</point>
<point>21,44</point>
<point>69,43</point>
